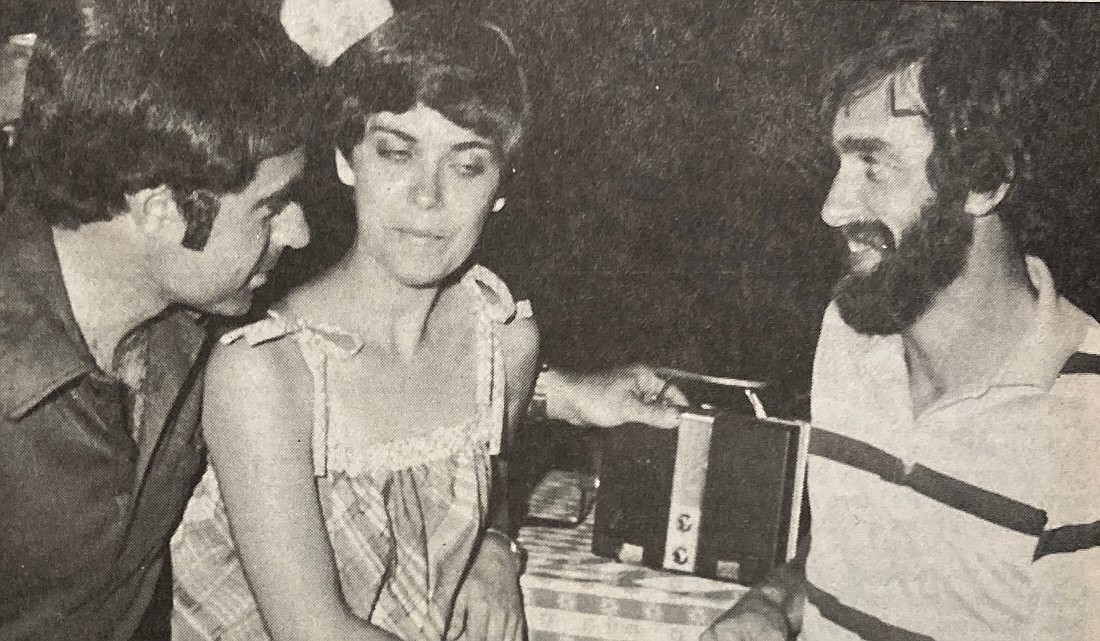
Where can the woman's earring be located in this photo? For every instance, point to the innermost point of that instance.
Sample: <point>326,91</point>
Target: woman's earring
<point>344,170</point>
<point>498,205</point>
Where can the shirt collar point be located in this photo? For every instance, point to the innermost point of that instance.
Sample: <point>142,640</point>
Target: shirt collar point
<point>45,359</point>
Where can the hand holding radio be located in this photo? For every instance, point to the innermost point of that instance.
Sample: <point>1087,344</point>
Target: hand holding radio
<point>608,398</point>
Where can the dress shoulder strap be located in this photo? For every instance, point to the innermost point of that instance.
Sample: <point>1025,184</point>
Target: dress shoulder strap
<point>495,307</point>
<point>266,329</point>
<point>318,343</point>
<point>332,340</point>
<point>499,305</point>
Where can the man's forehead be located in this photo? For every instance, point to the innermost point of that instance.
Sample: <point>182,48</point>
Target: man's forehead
<point>906,98</point>
<point>893,111</point>
<point>275,173</point>
<point>898,93</point>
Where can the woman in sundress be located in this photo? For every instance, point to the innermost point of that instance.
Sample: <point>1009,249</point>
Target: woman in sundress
<point>354,432</point>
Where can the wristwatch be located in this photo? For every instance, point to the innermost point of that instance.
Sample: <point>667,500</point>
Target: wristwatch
<point>516,549</point>
<point>536,410</point>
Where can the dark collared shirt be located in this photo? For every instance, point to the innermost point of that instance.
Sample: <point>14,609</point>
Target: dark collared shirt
<point>85,511</point>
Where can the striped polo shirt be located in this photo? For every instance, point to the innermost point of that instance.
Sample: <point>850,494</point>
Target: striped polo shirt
<point>898,565</point>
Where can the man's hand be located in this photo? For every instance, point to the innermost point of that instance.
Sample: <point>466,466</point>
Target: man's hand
<point>613,397</point>
<point>753,618</point>
<point>489,606</point>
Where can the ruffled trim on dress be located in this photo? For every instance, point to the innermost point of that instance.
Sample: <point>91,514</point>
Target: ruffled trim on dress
<point>342,451</point>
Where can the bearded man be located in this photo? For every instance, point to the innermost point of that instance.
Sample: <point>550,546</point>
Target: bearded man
<point>953,487</point>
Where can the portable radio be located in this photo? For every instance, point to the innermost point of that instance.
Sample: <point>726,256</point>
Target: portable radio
<point>719,497</point>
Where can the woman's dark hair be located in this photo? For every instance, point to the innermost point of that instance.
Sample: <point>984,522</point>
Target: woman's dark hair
<point>462,67</point>
<point>982,70</point>
<point>196,109</point>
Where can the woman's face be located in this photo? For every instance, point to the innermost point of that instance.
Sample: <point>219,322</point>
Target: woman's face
<point>423,188</point>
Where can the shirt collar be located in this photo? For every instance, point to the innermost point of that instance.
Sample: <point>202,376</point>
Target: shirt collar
<point>1057,330</point>
<point>41,346</point>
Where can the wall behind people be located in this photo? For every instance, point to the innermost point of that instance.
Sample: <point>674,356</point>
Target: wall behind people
<point>670,199</point>
<point>14,54</point>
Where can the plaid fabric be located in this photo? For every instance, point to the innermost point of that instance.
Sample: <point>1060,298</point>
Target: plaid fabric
<point>401,541</point>
<point>402,534</point>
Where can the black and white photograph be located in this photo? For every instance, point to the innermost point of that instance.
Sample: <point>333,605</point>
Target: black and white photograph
<point>549,320</point>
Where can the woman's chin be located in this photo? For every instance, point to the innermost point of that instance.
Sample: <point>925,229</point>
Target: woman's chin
<point>420,271</point>
<point>421,278</point>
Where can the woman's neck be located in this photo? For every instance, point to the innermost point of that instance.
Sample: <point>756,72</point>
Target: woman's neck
<point>361,296</point>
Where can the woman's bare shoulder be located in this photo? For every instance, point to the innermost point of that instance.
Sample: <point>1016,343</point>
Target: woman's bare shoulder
<point>241,364</point>
<point>521,353</point>
<point>261,388</point>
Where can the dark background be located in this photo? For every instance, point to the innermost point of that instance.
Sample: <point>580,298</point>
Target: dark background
<point>666,207</point>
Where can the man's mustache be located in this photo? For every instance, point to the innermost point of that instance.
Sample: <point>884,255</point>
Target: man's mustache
<point>869,232</point>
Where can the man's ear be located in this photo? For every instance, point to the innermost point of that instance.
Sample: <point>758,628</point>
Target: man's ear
<point>154,211</point>
<point>979,204</point>
<point>344,170</point>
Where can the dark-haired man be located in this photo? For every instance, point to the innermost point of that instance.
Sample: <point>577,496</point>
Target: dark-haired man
<point>154,182</point>
<point>955,399</point>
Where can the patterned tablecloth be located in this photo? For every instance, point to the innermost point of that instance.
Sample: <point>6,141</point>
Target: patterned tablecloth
<point>572,595</point>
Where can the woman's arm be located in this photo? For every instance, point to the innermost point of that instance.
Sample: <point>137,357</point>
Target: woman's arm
<point>489,606</point>
<point>258,422</point>
<point>521,357</point>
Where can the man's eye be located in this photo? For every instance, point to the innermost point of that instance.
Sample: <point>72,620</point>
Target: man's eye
<point>872,168</point>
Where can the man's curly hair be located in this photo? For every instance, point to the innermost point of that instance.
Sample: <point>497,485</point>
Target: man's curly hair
<point>981,77</point>
<point>112,110</point>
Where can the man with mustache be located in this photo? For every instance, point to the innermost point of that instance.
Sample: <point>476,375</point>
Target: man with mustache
<point>153,185</point>
<point>953,482</point>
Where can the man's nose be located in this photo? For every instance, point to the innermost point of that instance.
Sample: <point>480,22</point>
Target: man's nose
<point>842,205</point>
<point>425,191</point>
<point>290,228</point>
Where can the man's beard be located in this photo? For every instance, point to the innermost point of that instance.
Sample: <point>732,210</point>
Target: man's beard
<point>929,256</point>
